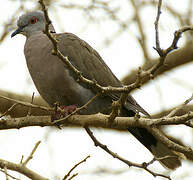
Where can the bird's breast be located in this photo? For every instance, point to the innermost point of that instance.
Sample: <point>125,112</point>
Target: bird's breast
<point>50,76</point>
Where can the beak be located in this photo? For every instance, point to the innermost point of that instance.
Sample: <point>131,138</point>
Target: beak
<point>17,31</point>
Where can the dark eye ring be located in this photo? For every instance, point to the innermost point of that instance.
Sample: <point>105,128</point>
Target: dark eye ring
<point>33,20</point>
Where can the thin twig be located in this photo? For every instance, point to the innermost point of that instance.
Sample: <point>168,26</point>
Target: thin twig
<point>9,175</point>
<point>116,105</point>
<point>158,48</point>
<point>31,154</point>
<point>142,39</point>
<point>5,28</point>
<point>189,13</point>
<point>68,174</point>
<point>177,36</point>
<point>170,9</point>
<point>164,52</point>
<point>115,155</point>
<point>174,111</point>
<point>76,110</point>
<point>158,134</point>
<point>9,110</point>
<point>32,100</point>
<point>22,157</point>
<point>74,175</point>
<point>27,104</point>
<point>6,174</point>
<point>21,169</point>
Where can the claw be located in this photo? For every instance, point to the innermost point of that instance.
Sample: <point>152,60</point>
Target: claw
<point>65,110</point>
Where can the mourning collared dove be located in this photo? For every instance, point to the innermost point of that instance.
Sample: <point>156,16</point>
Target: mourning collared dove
<point>56,83</point>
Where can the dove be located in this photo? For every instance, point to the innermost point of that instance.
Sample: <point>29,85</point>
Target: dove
<point>56,83</point>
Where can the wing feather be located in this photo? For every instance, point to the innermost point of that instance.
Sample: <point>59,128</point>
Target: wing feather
<point>90,63</point>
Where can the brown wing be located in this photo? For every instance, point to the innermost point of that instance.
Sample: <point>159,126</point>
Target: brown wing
<point>90,63</point>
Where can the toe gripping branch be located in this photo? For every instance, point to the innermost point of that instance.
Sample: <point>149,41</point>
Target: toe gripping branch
<point>62,111</point>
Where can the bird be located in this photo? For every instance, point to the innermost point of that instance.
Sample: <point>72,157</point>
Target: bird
<point>56,83</point>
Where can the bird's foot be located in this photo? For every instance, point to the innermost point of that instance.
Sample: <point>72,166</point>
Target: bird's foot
<point>62,111</point>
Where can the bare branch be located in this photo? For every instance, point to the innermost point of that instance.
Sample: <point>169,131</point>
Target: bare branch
<point>11,21</point>
<point>189,13</point>
<point>31,154</point>
<point>17,102</point>
<point>74,175</point>
<point>6,175</point>
<point>142,40</point>
<point>172,145</point>
<point>9,110</point>
<point>158,48</point>
<point>100,120</point>
<point>170,9</point>
<point>75,166</point>
<point>20,110</point>
<point>173,60</point>
<point>173,112</point>
<point>9,175</point>
<point>115,155</point>
<point>21,169</point>
<point>77,110</point>
<point>32,100</point>
<point>96,120</point>
<point>116,106</point>
<point>163,53</point>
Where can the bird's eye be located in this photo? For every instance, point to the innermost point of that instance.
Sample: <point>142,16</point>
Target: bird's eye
<point>33,20</point>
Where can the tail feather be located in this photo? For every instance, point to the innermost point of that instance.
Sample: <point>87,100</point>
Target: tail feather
<point>168,158</point>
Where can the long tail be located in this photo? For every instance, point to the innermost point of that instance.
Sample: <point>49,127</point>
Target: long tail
<point>157,148</point>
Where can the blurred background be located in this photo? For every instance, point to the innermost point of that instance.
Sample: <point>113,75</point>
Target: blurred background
<point>123,34</point>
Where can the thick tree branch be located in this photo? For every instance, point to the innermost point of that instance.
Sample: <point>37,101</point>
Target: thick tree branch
<point>100,120</point>
<point>95,120</point>
<point>8,99</point>
<point>178,58</point>
<point>22,103</point>
<point>169,143</point>
<point>21,169</point>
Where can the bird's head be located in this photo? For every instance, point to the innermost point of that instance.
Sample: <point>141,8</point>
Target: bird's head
<point>30,23</point>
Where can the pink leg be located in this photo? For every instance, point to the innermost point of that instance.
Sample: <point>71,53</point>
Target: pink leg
<point>66,111</point>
